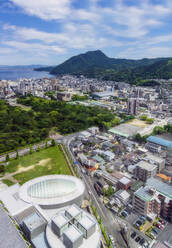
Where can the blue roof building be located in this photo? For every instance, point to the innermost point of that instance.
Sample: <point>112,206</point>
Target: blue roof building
<point>160,141</point>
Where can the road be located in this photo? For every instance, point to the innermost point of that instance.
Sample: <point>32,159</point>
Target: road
<point>111,224</point>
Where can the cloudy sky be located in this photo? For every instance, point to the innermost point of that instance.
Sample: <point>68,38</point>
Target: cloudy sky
<point>50,31</point>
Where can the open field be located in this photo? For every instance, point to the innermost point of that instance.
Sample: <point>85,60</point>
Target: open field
<point>45,162</point>
<point>138,123</point>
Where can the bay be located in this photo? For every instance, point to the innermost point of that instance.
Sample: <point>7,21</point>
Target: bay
<point>16,73</point>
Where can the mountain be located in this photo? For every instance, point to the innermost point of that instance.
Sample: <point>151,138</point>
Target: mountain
<point>96,64</point>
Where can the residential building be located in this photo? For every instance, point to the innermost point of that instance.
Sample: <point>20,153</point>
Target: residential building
<point>158,161</point>
<point>145,170</point>
<point>154,199</point>
<point>124,183</point>
<point>155,143</point>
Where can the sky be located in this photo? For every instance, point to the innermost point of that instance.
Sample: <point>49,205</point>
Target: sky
<point>50,31</point>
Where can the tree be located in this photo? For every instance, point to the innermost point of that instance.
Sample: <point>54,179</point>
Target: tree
<point>7,157</point>
<point>143,117</point>
<point>38,148</point>
<point>150,120</point>
<point>53,143</point>
<point>2,168</point>
<point>31,149</point>
<point>17,155</point>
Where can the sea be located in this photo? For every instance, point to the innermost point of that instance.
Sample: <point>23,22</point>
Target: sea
<point>16,73</point>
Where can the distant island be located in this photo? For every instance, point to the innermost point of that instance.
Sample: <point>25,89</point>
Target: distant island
<point>95,64</point>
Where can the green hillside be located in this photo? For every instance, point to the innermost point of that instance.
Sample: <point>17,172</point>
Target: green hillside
<point>97,65</point>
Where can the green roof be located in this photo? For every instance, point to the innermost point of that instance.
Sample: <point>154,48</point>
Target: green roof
<point>143,194</point>
<point>114,131</point>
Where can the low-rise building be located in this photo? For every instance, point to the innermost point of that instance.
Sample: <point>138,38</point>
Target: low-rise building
<point>124,183</point>
<point>158,161</point>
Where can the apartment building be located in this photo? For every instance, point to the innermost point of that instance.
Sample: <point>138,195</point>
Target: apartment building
<point>145,170</point>
<point>154,199</point>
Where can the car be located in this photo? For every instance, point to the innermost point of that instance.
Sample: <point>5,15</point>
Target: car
<point>124,214</point>
<point>138,223</point>
<point>162,222</point>
<point>137,239</point>
<point>159,226</point>
<point>89,192</point>
<point>133,235</point>
<point>142,218</point>
<point>155,230</point>
<point>142,241</point>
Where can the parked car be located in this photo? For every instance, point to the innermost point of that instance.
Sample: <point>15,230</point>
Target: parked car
<point>133,235</point>
<point>155,230</point>
<point>162,222</point>
<point>142,241</point>
<point>137,239</point>
<point>142,218</point>
<point>159,226</point>
<point>124,213</point>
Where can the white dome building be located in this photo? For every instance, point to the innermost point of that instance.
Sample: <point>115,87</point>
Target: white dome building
<point>54,191</point>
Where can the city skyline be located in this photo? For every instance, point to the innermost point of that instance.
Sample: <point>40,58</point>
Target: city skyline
<point>41,32</point>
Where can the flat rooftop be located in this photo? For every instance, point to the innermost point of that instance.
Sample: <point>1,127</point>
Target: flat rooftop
<point>163,188</point>
<point>124,180</point>
<point>73,233</point>
<point>125,130</point>
<point>86,222</point>
<point>73,210</point>
<point>33,221</point>
<point>146,166</point>
<point>10,236</point>
<point>60,220</point>
<point>143,194</point>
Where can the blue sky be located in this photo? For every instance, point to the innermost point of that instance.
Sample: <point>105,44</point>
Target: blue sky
<point>50,31</point>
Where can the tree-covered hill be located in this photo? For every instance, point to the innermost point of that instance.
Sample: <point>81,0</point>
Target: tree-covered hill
<point>96,64</point>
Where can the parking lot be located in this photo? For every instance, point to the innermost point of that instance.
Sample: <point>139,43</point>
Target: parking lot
<point>166,234</point>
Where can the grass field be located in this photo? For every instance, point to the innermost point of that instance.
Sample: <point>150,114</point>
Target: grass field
<point>7,182</point>
<point>45,162</point>
<point>138,123</point>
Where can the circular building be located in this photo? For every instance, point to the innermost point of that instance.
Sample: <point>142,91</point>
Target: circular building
<point>53,191</point>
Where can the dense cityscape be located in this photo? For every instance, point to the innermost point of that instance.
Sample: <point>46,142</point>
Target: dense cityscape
<point>123,164</point>
<point>85,124</point>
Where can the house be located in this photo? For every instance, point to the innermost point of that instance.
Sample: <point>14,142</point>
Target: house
<point>109,155</point>
<point>122,195</point>
<point>93,130</point>
<point>124,183</point>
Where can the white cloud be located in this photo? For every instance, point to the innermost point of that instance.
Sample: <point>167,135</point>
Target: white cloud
<point>47,10</point>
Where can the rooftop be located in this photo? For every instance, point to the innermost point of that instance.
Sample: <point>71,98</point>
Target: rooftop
<point>146,166</point>
<point>10,236</point>
<point>86,222</point>
<point>154,158</point>
<point>33,221</point>
<point>73,233</point>
<point>163,188</point>
<point>160,141</point>
<point>143,194</point>
<point>60,220</point>
<point>73,210</point>
<point>124,180</point>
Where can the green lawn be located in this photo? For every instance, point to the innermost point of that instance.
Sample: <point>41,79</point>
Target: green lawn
<point>7,182</point>
<point>46,162</point>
